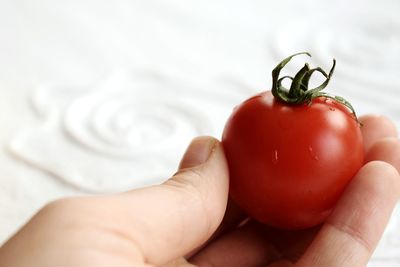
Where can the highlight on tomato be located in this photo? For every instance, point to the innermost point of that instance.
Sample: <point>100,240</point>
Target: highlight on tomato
<point>292,151</point>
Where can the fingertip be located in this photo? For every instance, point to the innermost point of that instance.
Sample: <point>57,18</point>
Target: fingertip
<point>372,120</point>
<point>386,149</point>
<point>198,151</point>
<point>380,177</point>
<point>376,127</point>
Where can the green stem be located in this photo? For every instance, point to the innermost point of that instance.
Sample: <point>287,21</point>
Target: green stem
<point>299,93</point>
<point>296,88</point>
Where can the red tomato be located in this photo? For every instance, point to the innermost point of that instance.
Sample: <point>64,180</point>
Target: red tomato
<point>289,163</point>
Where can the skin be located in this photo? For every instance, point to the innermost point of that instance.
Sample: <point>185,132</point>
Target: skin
<point>188,216</point>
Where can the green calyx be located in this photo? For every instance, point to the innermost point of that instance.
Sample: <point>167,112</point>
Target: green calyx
<point>299,93</point>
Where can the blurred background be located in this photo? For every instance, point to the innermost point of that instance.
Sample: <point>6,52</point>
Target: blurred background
<point>101,96</point>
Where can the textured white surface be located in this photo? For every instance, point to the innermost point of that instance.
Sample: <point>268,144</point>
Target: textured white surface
<point>99,97</point>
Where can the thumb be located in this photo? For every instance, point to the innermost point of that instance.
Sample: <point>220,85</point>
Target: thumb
<point>170,220</point>
<point>149,226</point>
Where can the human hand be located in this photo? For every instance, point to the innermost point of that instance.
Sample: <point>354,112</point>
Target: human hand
<point>347,238</point>
<point>159,225</point>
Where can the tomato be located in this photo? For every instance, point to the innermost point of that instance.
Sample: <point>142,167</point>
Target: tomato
<point>290,162</point>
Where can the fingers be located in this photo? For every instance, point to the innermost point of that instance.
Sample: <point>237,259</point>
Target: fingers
<point>169,220</point>
<point>353,230</point>
<point>258,244</point>
<point>375,128</point>
<point>245,246</point>
<point>387,149</point>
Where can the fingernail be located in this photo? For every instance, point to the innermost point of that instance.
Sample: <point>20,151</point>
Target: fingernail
<point>198,152</point>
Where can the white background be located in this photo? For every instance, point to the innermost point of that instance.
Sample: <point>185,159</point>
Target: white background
<point>101,96</point>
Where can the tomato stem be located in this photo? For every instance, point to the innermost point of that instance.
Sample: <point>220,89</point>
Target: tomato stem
<point>299,93</point>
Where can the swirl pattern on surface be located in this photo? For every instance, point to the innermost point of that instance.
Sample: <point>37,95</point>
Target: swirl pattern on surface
<point>125,132</point>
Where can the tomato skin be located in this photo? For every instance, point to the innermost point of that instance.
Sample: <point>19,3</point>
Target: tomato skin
<point>289,164</point>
